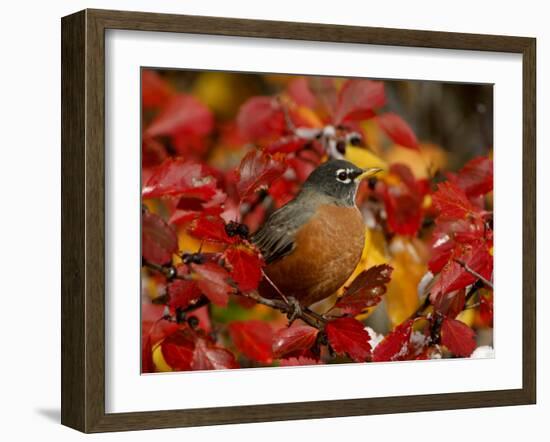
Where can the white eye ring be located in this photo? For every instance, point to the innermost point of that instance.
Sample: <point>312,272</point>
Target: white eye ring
<point>347,180</point>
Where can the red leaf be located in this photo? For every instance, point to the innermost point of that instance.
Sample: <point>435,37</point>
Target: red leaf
<point>358,99</point>
<point>450,304</point>
<point>245,302</point>
<point>366,290</point>
<point>404,213</point>
<point>191,204</point>
<point>183,216</point>
<point>178,177</point>
<point>300,360</point>
<point>183,114</point>
<point>210,357</point>
<point>253,339</point>
<point>191,208</point>
<point>210,228</point>
<point>229,134</point>
<point>255,218</point>
<point>293,339</point>
<point>153,153</point>
<point>189,145</point>
<point>476,177</point>
<point>403,201</point>
<point>147,365</point>
<point>212,280</point>
<point>486,309</point>
<point>152,324</point>
<point>347,335</point>
<point>395,346</point>
<point>299,91</point>
<point>257,170</point>
<point>261,117</point>
<point>454,276</point>
<point>203,316</point>
<point>452,203</point>
<point>303,166</point>
<point>178,349</point>
<point>442,251</point>
<point>183,293</point>
<point>158,239</point>
<point>246,267</point>
<point>470,231</point>
<point>457,337</point>
<point>406,177</point>
<point>448,233</point>
<point>398,130</point>
<point>324,90</point>
<point>286,145</point>
<point>154,90</point>
<point>282,191</point>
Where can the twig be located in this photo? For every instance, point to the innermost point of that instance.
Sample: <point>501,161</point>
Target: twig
<point>281,294</point>
<point>471,306</point>
<point>426,302</point>
<point>474,273</point>
<point>319,317</point>
<point>420,310</point>
<point>306,315</point>
<point>152,266</point>
<point>169,272</point>
<point>288,121</point>
<point>273,303</point>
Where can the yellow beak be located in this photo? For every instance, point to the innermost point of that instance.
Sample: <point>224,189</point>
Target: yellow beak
<point>368,173</point>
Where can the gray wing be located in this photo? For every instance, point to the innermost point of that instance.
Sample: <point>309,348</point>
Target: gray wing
<point>275,239</point>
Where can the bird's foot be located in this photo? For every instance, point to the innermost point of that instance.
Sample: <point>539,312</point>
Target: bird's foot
<point>294,309</point>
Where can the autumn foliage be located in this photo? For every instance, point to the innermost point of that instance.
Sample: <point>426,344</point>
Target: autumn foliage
<point>211,176</point>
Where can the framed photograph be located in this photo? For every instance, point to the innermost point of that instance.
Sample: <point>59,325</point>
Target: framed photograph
<point>267,221</point>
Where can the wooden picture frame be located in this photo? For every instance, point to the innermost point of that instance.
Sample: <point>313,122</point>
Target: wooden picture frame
<point>83,219</point>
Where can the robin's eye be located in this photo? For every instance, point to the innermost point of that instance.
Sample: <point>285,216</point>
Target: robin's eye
<point>342,176</point>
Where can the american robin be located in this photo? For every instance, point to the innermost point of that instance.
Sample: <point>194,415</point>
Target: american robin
<point>312,244</point>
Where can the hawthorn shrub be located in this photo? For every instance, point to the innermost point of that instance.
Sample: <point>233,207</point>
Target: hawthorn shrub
<point>209,182</point>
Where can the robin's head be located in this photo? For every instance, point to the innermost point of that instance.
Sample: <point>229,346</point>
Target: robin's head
<point>338,179</point>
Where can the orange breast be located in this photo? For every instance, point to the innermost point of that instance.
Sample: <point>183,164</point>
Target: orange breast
<point>327,251</point>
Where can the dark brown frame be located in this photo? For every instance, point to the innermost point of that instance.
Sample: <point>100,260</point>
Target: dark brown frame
<point>83,217</point>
